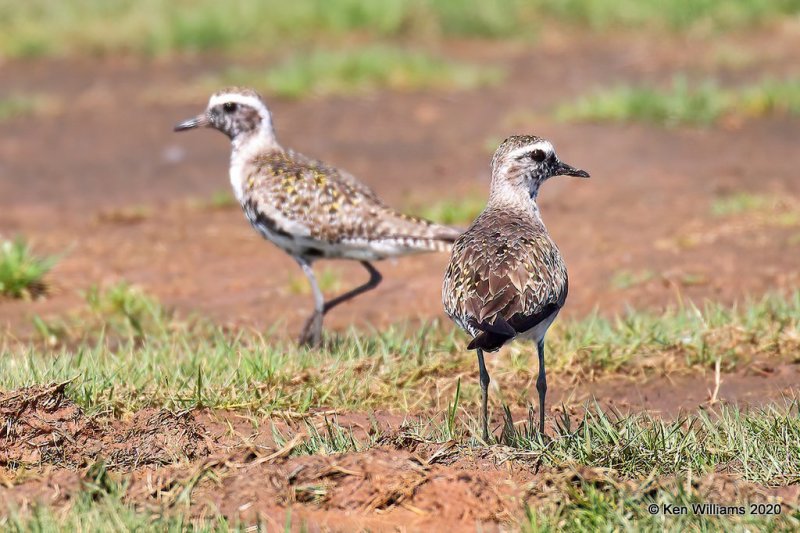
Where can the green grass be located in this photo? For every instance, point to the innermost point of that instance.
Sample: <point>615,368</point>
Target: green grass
<point>157,27</point>
<point>359,70</point>
<point>760,445</point>
<point>21,271</point>
<point>106,513</point>
<point>674,15</point>
<point>739,203</point>
<point>165,26</point>
<point>126,352</point>
<point>16,106</point>
<point>218,200</point>
<point>703,104</point>
<point>625,279</point>
<point>602,505</point>
<point>329,281</point>
<point>772,210</point>
<point>452,211</point>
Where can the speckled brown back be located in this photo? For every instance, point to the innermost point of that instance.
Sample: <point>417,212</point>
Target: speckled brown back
<point>504,266</point>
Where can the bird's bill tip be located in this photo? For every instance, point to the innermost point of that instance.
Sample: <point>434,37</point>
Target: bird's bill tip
<point>568,170</point>
<point>195,122</point>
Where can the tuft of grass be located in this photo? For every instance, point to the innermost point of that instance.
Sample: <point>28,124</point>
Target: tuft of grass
<point>625,279</point>
<point>127,311</point>
<point>765,209</point>
<point>326,72</point>
<point>221,200</point>
<point>684,104</point>
<point>599,503</point>
<point>452,211</point>
<point>17,105</point>
<point>107,512</point>
<point>21,271</point>
<point>759,445</point>
<point>332,438</point>
<point>119,311</point>
<point>216,201</point>
<point>742,202</point>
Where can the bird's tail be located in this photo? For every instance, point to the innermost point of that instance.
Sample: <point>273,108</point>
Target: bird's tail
<point>421,235</point>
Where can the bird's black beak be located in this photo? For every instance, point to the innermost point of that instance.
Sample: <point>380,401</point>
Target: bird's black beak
<point>200,121</point>
<point>564,169</point>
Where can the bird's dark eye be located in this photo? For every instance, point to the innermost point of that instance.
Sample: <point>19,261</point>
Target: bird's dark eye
<point>230,107</point>
<point>538,155</point>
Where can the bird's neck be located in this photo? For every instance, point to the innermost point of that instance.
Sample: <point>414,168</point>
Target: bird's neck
<point>252,142</point>
<point>245,147</point>
<point>509,196</point>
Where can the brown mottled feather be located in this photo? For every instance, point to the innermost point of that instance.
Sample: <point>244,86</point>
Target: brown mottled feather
<point>504,267</point>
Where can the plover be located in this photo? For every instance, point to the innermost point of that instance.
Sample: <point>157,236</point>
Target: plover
<point>308,208</point>
<point>506,278</point>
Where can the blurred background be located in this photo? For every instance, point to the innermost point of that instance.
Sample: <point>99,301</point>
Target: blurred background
<point>686,113</point>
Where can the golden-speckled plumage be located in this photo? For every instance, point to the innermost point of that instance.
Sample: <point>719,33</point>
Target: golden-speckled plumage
<point>307,208</point>
<point>328,211</point>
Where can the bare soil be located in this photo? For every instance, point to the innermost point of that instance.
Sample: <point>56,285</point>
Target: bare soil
<point>43,427</point>
<point>241,473</point>
<point>102,179</point>
<point>230,469</point>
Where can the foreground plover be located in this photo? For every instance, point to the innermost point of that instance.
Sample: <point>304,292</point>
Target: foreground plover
<point>309,209</point>
<point>506,278</point>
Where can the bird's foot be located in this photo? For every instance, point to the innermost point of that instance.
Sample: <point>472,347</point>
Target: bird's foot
<point>311,336</point>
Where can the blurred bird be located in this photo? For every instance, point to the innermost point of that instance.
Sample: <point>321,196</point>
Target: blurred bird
<point>307,208</point>
<point>506,278</point>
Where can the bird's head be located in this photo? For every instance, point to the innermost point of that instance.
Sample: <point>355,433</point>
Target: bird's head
<point>236,112</point>
<point>524,162</point>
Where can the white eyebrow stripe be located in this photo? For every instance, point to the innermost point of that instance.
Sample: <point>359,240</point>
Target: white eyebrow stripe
<point>542,145</point>
<point>242,99</point>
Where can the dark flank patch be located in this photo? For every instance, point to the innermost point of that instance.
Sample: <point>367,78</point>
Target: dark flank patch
<point>502,283</point>
<point>312,252</point>
<point>262,222</point>
<point>493,336</point>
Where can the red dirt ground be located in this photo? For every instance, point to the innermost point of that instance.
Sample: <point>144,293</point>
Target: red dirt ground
<point>241,474</point>
<point>103,180</point>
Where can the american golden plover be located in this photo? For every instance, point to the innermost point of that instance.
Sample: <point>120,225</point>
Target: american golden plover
<point>307,208</point>
<point>506,278</point>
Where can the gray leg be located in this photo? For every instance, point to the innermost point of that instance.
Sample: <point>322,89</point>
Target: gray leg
<point>484,395</point>
<point>312,330</point>
<point>374,279</point>
<point>541,384</point>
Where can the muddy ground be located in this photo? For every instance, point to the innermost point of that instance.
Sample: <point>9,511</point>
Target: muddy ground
<point>101,179</point>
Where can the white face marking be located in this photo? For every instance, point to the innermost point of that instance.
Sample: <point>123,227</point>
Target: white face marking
<point>543,145</point>
<point>246,147</point>
<point>242,99</point>
<point>250,101</point>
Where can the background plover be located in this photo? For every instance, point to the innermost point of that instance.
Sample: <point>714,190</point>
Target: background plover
<point>506,278</point>
<point>310,209</point>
